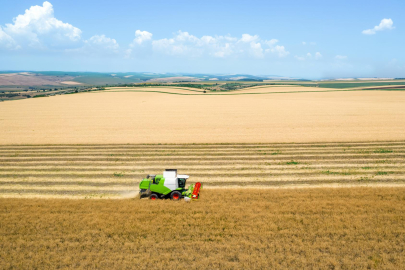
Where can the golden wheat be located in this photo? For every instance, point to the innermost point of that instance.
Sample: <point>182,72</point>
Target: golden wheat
<point>354,228</point>
<point>139,117</point>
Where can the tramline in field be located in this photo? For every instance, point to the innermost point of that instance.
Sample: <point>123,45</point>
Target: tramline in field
<point>169,185</point>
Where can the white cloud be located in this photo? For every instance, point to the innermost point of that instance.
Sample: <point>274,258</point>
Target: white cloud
<point>309,56</point>
<point>341,57</point>
<point>249,38</point>
<point>310,43</point>
<point>6,41</point>
<point>188,45</point>
<point>280,51</point>
<point>38,28</point>
<point>385,24</point>
<point>272,42</point>
<point>142,36</point>
<point>254,48</point>
<point>101,42</point>
<point>98,45</point>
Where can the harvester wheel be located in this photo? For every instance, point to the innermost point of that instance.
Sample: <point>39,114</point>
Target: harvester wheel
<point>175,196</point>
<point>153,197</point>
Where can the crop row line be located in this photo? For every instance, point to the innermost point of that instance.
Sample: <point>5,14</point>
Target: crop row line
<point>180,158</point>
<point>197,174</point>
<point>206,154</point>
<point>199,168</point>
<point>205,150</point>
<point>200,146</point>
<point>236,162</point>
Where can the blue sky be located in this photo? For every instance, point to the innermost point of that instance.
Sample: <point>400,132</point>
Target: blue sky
<point>306,39</point>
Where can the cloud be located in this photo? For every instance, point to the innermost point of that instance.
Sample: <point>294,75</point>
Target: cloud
<point>38,28</point>
<point>98,45</point>
<point>142,36</point>
<point>385,24</point>
<point>254,47</point>
<point>7,41</point>
<point>248,38</point>
<point>102,43</point>
<point>272,42</point>
<point>280,51</point>
<point>187,45</point>
<point>309,56</point>
<point>182,44</point>
<point>341,57</point>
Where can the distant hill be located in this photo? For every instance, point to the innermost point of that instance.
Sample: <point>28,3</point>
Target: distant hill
<point>61,78</point>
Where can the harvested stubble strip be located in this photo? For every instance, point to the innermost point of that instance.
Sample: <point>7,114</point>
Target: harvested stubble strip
<point>200,174</point>
<point>205,146</point>
<point>204,157</point>
<point>248,153</point>
<point>23,187</point>
<point>196,147</point>
<point>248,178</point>
<point>213,164</point>
<point>269,229</point>
<point>196,167</point>
<point>300,169</point>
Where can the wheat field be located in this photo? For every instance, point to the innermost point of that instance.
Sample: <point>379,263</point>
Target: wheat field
<point>123,116</point>
<point>114,171</point>
<point>291,179</point>
<point>356,228</point>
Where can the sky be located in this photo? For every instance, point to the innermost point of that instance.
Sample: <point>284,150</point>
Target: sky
<point>301,39</point>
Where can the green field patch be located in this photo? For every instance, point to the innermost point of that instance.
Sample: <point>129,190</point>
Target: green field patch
<point>382,151</point>
<point>336,173</point>
<point>292,162</point>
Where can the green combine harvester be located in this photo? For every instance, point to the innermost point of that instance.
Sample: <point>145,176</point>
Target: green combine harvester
<point>169,185</point>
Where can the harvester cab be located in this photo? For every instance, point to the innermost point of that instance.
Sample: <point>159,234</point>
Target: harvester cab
<point>168,185</point>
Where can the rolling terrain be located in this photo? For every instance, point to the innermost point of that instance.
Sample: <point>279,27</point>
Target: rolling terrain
<point>293,176</point>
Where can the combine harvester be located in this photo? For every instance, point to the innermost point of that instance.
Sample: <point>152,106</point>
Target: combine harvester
<point>169,185</point>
